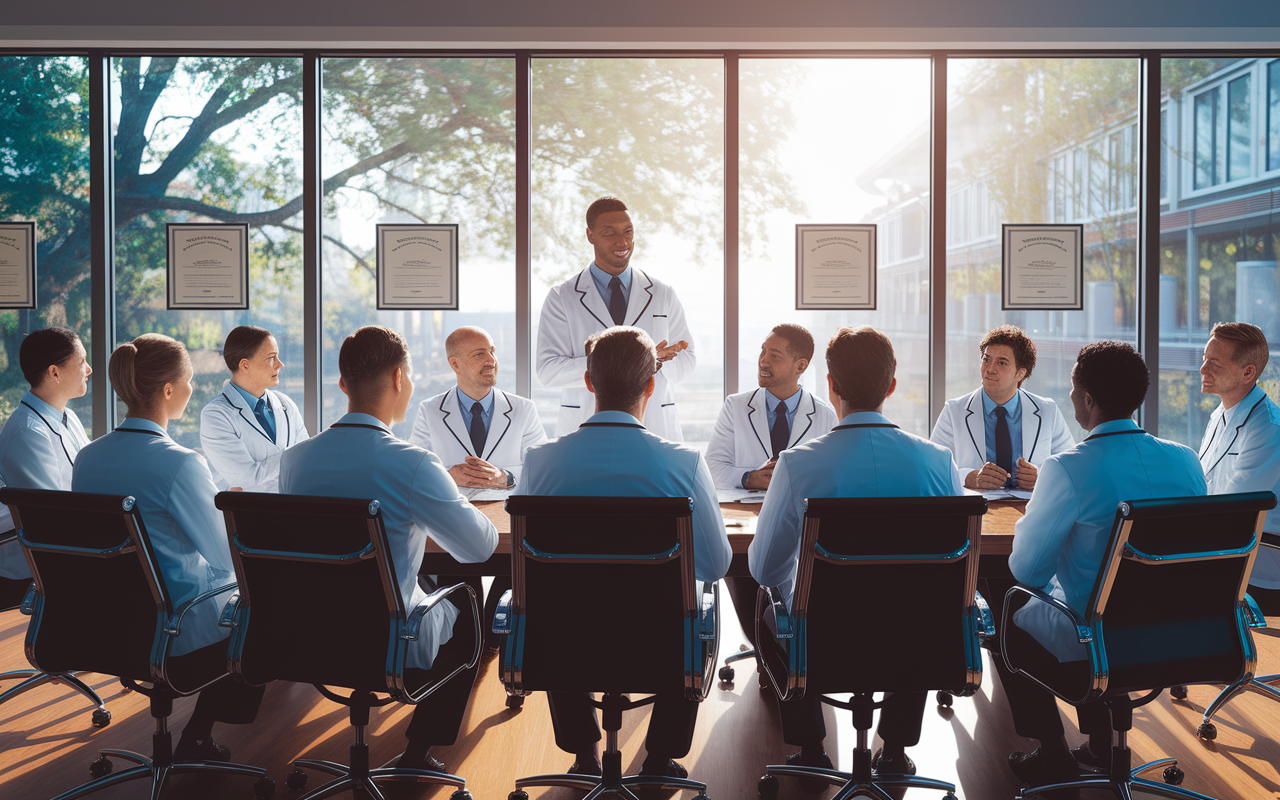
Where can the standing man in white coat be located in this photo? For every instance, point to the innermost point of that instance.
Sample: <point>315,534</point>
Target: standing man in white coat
<point>611,292</point>
<point>1240,451</point>
<point>245,428</point>
<point>1001,434</point>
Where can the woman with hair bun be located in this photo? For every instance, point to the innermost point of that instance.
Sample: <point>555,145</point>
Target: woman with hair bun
<point>41,438</point>
<point>174,490</point>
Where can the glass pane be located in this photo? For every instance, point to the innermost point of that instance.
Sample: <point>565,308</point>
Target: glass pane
<point>209,139</point>
<point>807,160</point>
<point>1008,118</point>
<point>1164,154</point>
<point>1218,264</point>
<point>1239,146</point>
<point>649,131</point>
<point>1206,138</point>
<point>1273,115</point>
<point>44,177</point>
<point>418,141</point>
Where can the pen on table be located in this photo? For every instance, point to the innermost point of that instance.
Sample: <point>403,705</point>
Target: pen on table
<point>737,523</point>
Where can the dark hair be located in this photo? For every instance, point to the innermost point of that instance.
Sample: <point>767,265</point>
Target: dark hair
<point>140,369</point>
<point>243,342</point>
<point>603,206</point>
<point>620,362</point>
<point>861,364</point>
<point>45,348</point>
<point>799,340</point>
<point>367,356</point>
<point>1114,375</point>
<point>1011,336</point>
<point>1249,344</point>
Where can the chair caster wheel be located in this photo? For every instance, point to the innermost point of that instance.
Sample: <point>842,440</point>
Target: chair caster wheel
<point>1208,731</point>
<point>767,787</point>
<point>101,718</point>
<point>515,700</point>
<point>297,780</point>
<point>702,797</point>
<point>948,796</point>
<point>1178,692</point>
<point>726,674</point>
<point>944,700</point>
<point>264,789</point>
<point>518,794</point>
<point>101,767</point>
<point>461,794</point>
<point>1173,776</point>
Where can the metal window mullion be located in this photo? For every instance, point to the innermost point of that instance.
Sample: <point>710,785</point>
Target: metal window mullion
<point>731,222</point>
<point>312,193</point>
<point>938,242</point>
<point>1148,256</point>
<point>102,239</point>
<point>524,224</point>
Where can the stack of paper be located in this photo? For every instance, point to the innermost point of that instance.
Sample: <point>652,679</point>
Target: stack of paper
<point>739,495</point>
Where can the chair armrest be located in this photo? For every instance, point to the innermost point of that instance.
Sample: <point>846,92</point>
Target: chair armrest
<point>1084,631</point>
<point>230,612</point>
<point>173,626</point>
<point>1271,540</point>
<point>502,622</point>
<point>28,606</point>
<point>707,611</point>
<point>776,619</point>
<point>1253,615</point>
<point>413,621</point>
<point>984,622</point>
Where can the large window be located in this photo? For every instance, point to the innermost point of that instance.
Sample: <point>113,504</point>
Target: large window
<point>44,177</point>
<point>418,141</point>
<point>1045,140</point>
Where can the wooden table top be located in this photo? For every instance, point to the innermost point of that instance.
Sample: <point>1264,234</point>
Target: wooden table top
<point>740,522</point>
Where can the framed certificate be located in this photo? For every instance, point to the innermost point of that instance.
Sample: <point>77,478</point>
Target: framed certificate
<point>208,266</point>
<point>836,267</point>
<point>1043,268</point>
<point>17,265</point>
<point>418,267</point>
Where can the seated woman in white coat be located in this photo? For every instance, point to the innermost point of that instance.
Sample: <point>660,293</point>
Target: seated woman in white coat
<point>1001,434</point>
<point>245,428</point>
<point>41,438</point>
<point>174,490</point>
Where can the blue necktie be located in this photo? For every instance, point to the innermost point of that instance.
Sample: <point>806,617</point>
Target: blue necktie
<point>478,433</point>
<point>780,433</point>
<point>617,303</point>
<point>1004,445</point>
<point>264,418</point>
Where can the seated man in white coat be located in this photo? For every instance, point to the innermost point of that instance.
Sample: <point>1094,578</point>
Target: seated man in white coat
<point>1001,434</point>
<point>359,456</point>
<point>866,455</point>
<point>613,455</point>
<point>755,426</point>
<point>1059,545</point>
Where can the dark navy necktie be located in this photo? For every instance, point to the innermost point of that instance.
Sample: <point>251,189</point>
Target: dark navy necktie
<point>780,434</point>
<point>478,433</point>
<point>264,418</point>
<point>1004,445</point>
<point>617,303</point>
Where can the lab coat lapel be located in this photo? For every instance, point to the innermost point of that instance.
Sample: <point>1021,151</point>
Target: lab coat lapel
<point>975,422</point>
<point>1235,426</point>
<point>499,399</point>
<point>758,419</point>
<point>1031,425</point>
<point>640,298</point>
<point>803,421</point>
<point>237,402</point>
<point>590,300</point>
<point>452,416</point>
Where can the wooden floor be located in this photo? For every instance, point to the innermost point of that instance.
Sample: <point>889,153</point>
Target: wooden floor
<point>46,741</point>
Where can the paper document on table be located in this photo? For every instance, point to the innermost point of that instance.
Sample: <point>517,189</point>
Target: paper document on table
<point>739,496</point>
<point>1007,494</point>
<point>482,495</point>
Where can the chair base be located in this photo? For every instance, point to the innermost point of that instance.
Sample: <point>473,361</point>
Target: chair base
<point>159,773</point>
<point>1264,685</point>
<point>1123,788</point>
<point>597,788</point>
<point>851,786</point>
<point>32,678</point>
<point>350,779</point>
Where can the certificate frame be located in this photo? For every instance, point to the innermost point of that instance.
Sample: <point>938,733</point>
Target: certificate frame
<point>18,242</point>
<point>1015,238</point>
<point>392,266</point>
<point>233,237</point>
<point>810,296</point>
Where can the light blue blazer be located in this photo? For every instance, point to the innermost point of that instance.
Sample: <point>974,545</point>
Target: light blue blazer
<point>866,455</point>
<point>174,490</point>
<point>359,456</point>
<point>36,452</point>
<point>613,455</point>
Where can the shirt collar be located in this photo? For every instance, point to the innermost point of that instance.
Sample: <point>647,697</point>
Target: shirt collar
<point>466,401</point>
<point>614,416</point>
<point>356,418</point>
<point>140,424</point>
<point>47,411</point>
<point>602,278</point>
<point>1115,425</point>
<point>248,396</point>
<point>866,418</point>
<point>1012,407</point>
<point>771,401</point>
<point>1250,400</point>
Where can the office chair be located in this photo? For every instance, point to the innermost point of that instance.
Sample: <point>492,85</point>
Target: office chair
<point>23,598</point>
<point>918,556</point>
<point>307,561</point>
<point>90,556</point>
<point>1168,608</point>
<point>600,574</point>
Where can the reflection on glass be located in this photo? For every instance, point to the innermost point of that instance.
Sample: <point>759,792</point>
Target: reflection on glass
<point>828,164</point>
<point>1032,141</point>
<point>1273,115</point>
<point>209,139</point>
<point>1239,144</point>
<point>1206,135</point>
<point>418,141</point>
<point>44,150</point>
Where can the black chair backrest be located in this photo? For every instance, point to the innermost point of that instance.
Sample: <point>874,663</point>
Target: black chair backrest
<point>884,585</point>
<point>101,599</point>
<point>1166,601</point>
<point>315,577</point>
<point>605,584</point>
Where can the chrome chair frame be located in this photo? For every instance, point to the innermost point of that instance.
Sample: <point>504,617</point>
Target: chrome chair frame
<point>405,628</point>
<point>791,631</point>
<point>1091,633</point>
<point>168,626</point>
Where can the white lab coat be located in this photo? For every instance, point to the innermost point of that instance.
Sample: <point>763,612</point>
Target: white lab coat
<point>960,429</point>
<point>238,450</point>
<point>513,429</point>
<point>36,452</point>
<point>740,441</point>
<point>574,311</point>
<point>1242,454</point>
